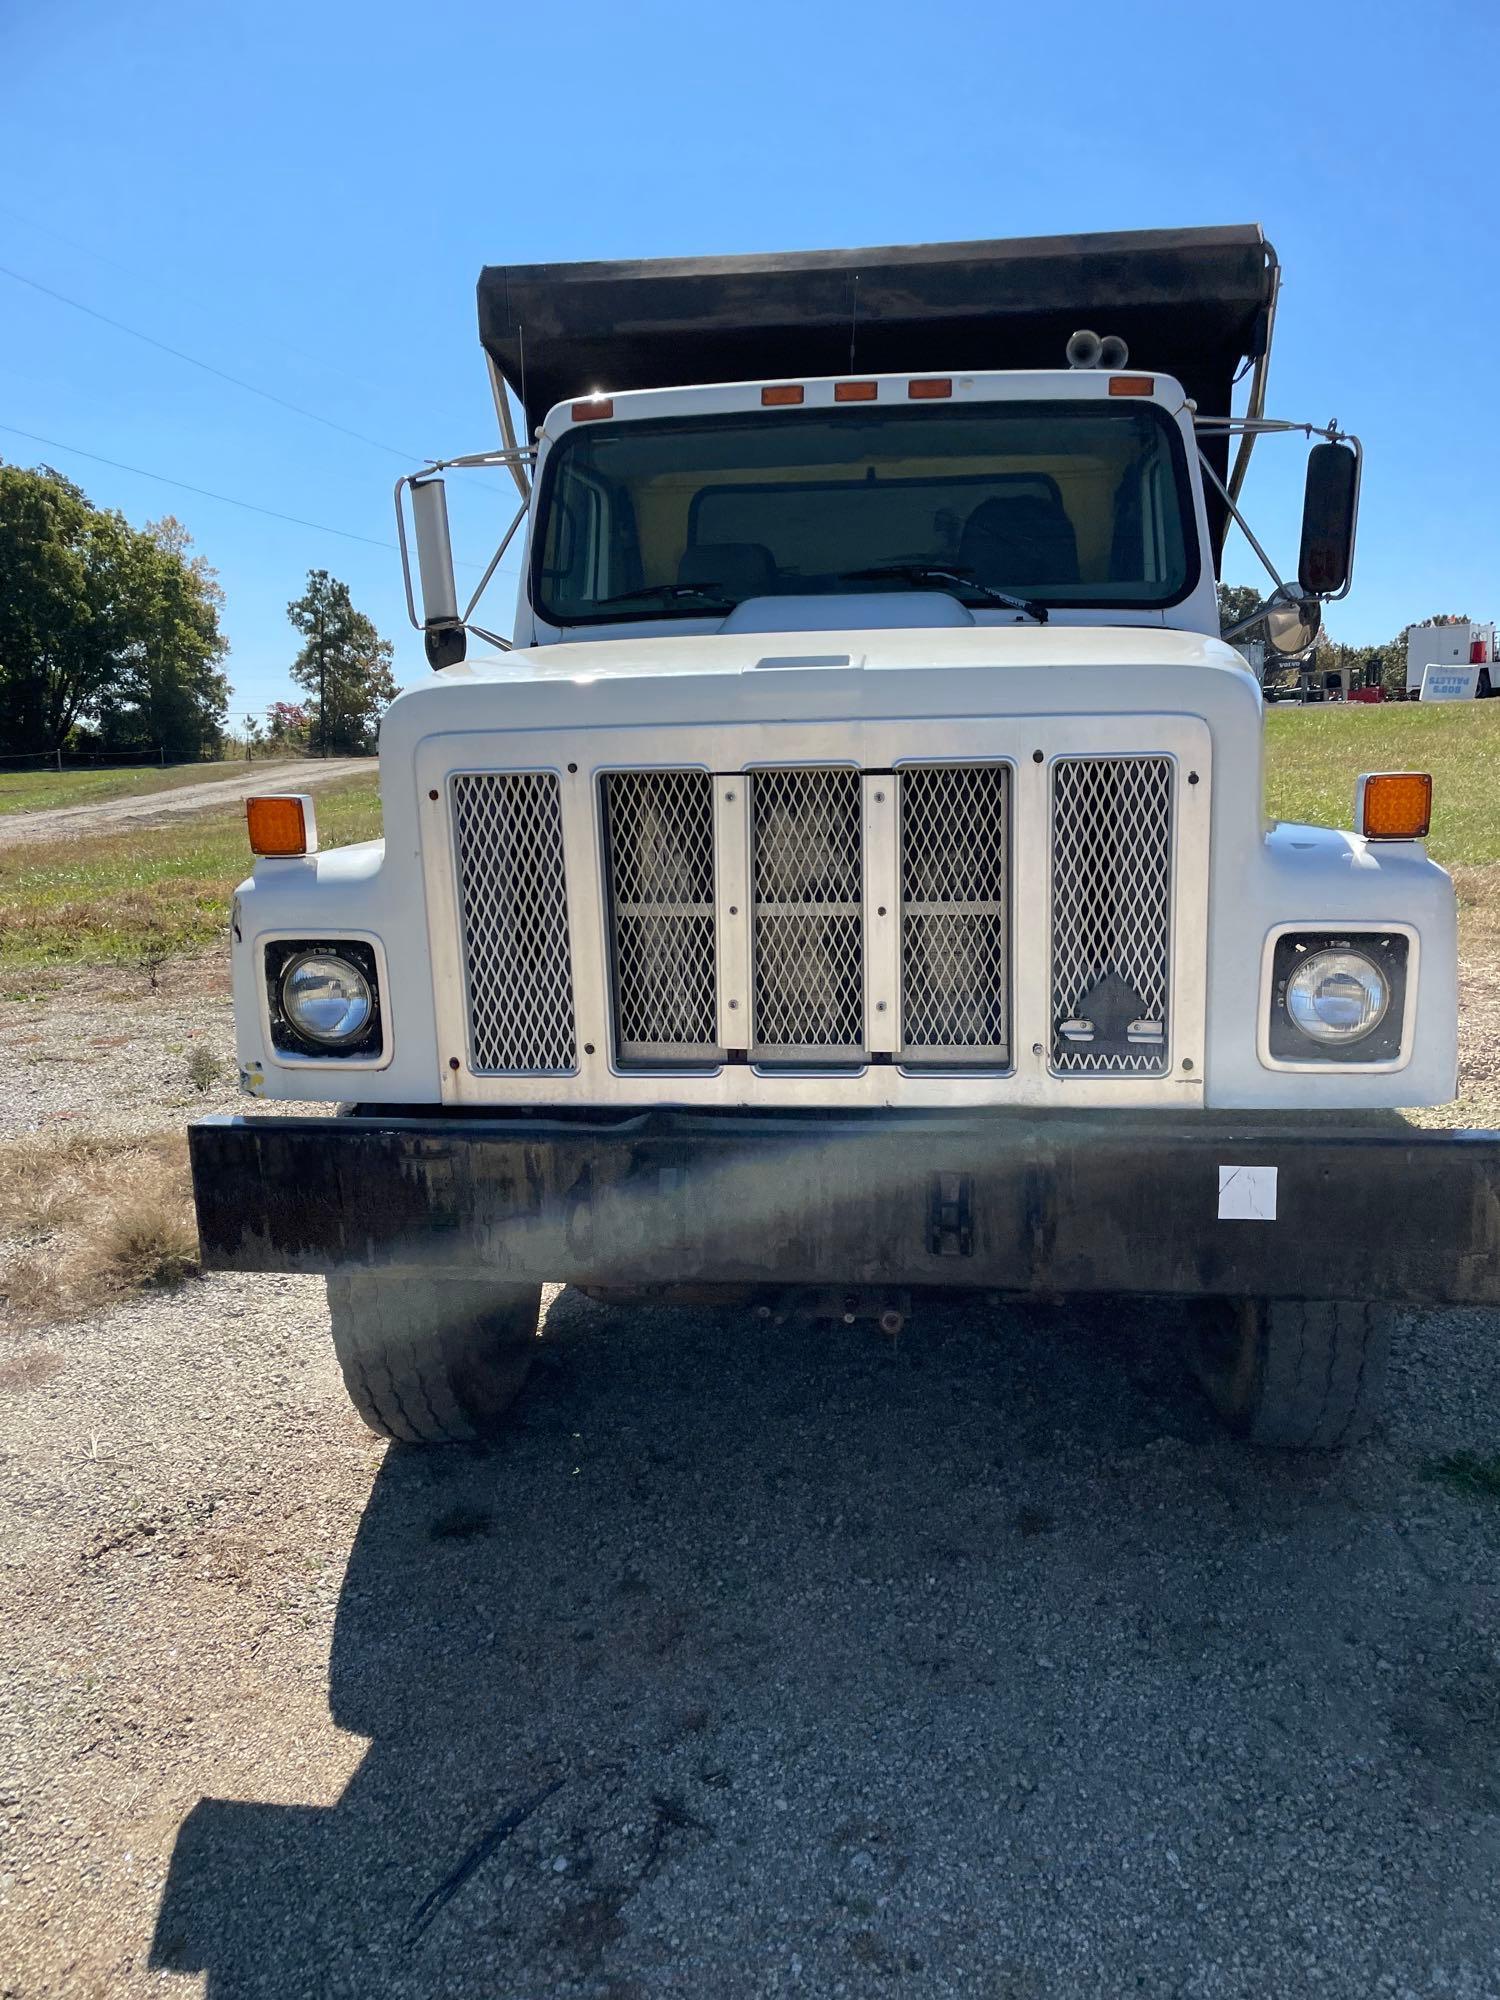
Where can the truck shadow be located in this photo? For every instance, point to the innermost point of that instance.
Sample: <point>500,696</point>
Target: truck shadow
<point>748,1633</point>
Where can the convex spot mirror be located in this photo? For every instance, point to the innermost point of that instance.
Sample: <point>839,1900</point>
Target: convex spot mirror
<point>1291,623</point>
<point>1330,504</point>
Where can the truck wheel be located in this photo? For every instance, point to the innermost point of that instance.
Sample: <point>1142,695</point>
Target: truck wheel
<point>432,1360</point>
<point>1301,1374</point>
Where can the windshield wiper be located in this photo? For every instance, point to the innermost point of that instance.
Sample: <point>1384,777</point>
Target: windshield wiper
<point>955,581</point>
<point>704,593</point>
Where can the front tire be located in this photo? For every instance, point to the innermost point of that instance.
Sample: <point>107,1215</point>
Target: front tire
<point>1299,1374</point>
<point>432,1360</point>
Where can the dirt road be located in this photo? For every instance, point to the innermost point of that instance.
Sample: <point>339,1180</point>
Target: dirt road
<point>157,808</point>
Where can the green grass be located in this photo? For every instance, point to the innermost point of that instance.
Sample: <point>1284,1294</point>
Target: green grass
<point>1475,1475</point>
<point>115,899</point>
<point>1314,755</point>
<point>36,791</point>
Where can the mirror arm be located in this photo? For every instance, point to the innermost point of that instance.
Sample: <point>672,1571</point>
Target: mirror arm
<point>494,563</point>
<point>1244,526</point>
<point>490,638</point>
<point>407,479</point>
<point>411,608</point>
<point>1257,617</point>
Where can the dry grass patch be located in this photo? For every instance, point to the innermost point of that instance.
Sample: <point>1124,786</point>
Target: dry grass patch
<point>85,1221</point>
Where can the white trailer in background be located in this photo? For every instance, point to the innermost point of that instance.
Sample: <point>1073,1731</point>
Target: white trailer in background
<point>1451,659</point>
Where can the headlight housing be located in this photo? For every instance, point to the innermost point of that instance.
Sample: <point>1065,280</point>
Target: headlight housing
<point>1338,998</point>
<point>324,998</point>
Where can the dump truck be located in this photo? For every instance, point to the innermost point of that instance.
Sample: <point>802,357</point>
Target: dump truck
<point>845,883</point>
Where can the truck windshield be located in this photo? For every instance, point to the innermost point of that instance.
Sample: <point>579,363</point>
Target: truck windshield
<point>1078,503</point>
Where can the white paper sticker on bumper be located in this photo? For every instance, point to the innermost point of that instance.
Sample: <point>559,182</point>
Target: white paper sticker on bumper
<point>1247,1194</point>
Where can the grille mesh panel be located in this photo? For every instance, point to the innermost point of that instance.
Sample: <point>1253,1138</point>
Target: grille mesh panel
<point>1111,901</point>
<point>513,900</point>
<point>954,996</point>
<point>808,915</point>
<point>660,843</point>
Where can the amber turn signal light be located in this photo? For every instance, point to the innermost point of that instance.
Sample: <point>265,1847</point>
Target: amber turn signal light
<point>1132,385</point>
<point>593,409</point>
<point>282,824</point>
<point>856,392</point>
<point>777,394</point>
<point>930,388</point>
<point>1393,805</point>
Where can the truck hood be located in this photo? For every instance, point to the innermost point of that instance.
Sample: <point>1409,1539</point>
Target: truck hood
<point>1029,648</point>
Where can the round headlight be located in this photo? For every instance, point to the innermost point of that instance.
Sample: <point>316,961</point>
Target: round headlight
<point>1337,996</point>
<point>326,998</point>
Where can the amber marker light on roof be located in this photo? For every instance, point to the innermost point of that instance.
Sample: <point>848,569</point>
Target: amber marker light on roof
<point>282,824</point>
<point>1132,385</point>
<point>930,388</point>
<point>855,392</point>
<point>593,408</point>
<point>1393,805</point>
<point>776,394</point>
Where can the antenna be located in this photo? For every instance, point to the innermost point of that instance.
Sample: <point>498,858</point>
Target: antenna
<point>853,317</point>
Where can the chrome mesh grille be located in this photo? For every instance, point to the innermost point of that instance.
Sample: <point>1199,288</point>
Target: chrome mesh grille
<point>807,933</point>
<point>513,908</point>
<point>954,990</point>
<point>1111,901</point>
<point>659,840</point>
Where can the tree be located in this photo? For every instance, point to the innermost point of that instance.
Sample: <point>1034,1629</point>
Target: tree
<point>171,693</point>
<point>287,726</point>
<point>1236,601</point>
<point>252,729</point>
<point>61,630</point>
<point>344,664</point>
<point>103,625</point>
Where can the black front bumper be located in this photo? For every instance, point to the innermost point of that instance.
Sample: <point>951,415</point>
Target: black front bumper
<point>1056,1203</point>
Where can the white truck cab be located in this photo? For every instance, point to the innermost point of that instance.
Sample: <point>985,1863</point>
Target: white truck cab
<point>849,881</point>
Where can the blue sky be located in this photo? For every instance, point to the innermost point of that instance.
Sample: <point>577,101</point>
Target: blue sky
<point>303,196</point>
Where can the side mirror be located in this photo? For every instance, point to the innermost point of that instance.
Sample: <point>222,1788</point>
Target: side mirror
<point>1330,508</point>
<point>1291,623</point>
<point>443,634</point>
<point>1286,621</point>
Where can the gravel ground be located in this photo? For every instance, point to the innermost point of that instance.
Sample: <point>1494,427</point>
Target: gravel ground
<point>102,1050</point>
<point>158,808</point>
<point>757,1661</point>
<point>977,1665</point>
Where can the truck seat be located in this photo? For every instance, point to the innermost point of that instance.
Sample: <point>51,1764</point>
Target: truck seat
<point>1022,539</point>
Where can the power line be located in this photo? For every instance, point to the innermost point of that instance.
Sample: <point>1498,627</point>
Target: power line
<point>205,492</point>
<point>229,500</point>
<point>172,292</point>
<point>207,366</point>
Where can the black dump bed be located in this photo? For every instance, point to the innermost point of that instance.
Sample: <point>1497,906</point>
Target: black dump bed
<point>1193,303</point>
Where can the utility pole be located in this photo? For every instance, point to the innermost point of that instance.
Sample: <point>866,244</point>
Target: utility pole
<point>322,692</point>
